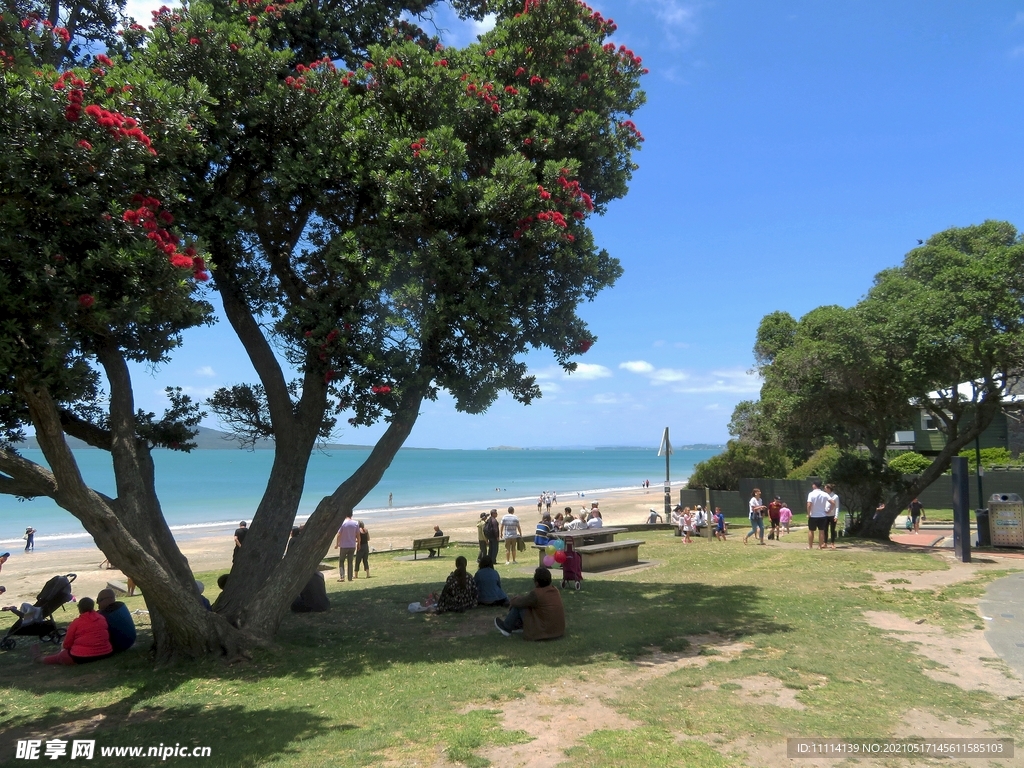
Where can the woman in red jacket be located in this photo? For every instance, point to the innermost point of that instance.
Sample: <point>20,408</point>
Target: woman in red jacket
<point>88,638</point>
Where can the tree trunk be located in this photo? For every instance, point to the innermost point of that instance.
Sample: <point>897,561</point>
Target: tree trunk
<point>169,589</point>
<point>879,526</point>
<point>264,612</point>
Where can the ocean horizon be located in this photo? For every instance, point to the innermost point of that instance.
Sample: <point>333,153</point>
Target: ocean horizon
<point>212,489</point>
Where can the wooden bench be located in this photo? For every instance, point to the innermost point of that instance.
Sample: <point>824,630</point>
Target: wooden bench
<point>433,542</point>
<point>613,554</point>
<point>119,587</point>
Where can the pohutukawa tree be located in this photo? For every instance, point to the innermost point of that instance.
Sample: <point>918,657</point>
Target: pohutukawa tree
<point>384,219</point>
<point>943,333</point>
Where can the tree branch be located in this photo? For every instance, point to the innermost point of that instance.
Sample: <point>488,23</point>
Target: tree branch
<point>279,402</point>
<point>85,431</point>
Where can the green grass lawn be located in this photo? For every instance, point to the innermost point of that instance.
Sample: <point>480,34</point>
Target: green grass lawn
<point>369,683</point>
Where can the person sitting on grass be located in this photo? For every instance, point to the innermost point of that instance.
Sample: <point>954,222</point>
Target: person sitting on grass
<point>459,591</point>
<point>119,620</point>
<point>87,639</point>
<point>538,614</point>
<point>488,584</point>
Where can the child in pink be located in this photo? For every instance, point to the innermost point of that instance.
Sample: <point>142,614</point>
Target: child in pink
<point>785,515</point>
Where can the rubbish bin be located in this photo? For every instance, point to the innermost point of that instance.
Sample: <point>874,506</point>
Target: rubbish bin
<point>984,534</point>
<point>1006,520</point>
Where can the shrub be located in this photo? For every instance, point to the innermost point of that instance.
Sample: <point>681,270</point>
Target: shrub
<point>740,459</point>
<point>820,464</point>
<point>910,463</point>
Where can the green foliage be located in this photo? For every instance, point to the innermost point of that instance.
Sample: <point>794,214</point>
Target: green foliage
<point>81,269</point>
<point>989,457</point>
<point>819,464</point>
<point>421,212</point>
<point>724,471</point>
<point>909,463</point>
<point>943,332</point>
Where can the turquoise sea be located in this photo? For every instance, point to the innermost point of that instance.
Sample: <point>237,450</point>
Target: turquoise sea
<point>217,488</point>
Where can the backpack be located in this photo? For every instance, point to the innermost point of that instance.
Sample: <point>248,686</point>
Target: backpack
<point>491,528</point>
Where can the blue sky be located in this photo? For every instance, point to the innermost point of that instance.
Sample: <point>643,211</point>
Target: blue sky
<point>793,150</point>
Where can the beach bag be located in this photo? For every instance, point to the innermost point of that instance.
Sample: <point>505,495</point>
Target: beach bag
<point>520,545</point>
<point>910,523</point>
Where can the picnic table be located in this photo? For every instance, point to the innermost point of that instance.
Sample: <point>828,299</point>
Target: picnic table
<point>598,548</point>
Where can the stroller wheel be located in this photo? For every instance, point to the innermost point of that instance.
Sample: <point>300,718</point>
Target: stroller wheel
<point>8,644</point>
<point>579,585</point>
<point>564,582</point>
<point>58,635</point>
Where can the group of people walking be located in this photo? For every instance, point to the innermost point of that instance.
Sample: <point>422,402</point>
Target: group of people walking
<point>822,516</point>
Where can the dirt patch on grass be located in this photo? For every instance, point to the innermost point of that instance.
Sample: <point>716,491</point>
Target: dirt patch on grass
<point>928,580</point>
<point>563,724</point>
<point>762,690</point>
<point>967,660</point>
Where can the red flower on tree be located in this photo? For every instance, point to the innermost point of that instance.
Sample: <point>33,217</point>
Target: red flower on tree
<point>86,300</point>
<point>381,389</point>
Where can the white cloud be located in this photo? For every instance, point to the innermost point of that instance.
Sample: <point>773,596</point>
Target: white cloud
<point>141,10</point>
<point>590,371</point>
<point>206,371</point>
<point>676,14</point>
<point>550,388</point>
<point>485,25</point>
<point>637,366</point>
<point>734,381</point>
<point>584,372</point>
<point>712,407</point>
<point>607,398</point>
<point>656,375</point>
<point>677,20</point>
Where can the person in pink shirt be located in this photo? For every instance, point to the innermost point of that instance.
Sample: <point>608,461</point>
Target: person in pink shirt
<point>347,542</point>
<point>88,639</point>
<point>785,515</point>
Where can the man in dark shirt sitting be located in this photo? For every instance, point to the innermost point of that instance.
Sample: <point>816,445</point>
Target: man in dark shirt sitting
<point>538,614</point>
<point>119,620</point>
<point>437,532</point>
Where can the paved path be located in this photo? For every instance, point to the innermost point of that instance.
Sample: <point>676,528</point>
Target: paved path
<point>1003,611</point>
<point>1002,607</point>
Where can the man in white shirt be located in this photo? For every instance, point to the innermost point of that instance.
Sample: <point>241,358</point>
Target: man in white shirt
<point>511,532</point>
<point>834,520</point>
<point>819,510</point>
<point>595,520</point>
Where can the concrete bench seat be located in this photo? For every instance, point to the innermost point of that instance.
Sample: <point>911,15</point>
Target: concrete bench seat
<point>613,554</point>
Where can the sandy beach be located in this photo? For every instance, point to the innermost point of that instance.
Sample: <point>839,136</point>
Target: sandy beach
<point>24,574</point>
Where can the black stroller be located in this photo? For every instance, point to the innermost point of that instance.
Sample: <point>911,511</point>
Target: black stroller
<point>38,620</point>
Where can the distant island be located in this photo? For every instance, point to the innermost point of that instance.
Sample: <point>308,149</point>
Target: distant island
<point>694,447</point>
<point>212,439</point>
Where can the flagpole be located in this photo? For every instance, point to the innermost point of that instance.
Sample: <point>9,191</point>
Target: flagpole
<point>666,446</point>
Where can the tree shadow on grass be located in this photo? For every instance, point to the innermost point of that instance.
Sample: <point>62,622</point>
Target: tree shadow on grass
<point>236,734</point>
<point>606,620</point>
<point>368,630</point>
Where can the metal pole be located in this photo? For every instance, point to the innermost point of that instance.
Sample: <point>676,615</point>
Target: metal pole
<point>978,470</point>
<point>961,510</point>
<point>668,481</point>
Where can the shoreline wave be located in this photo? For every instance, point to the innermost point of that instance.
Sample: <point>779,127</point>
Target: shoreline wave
<point>76,540</point>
